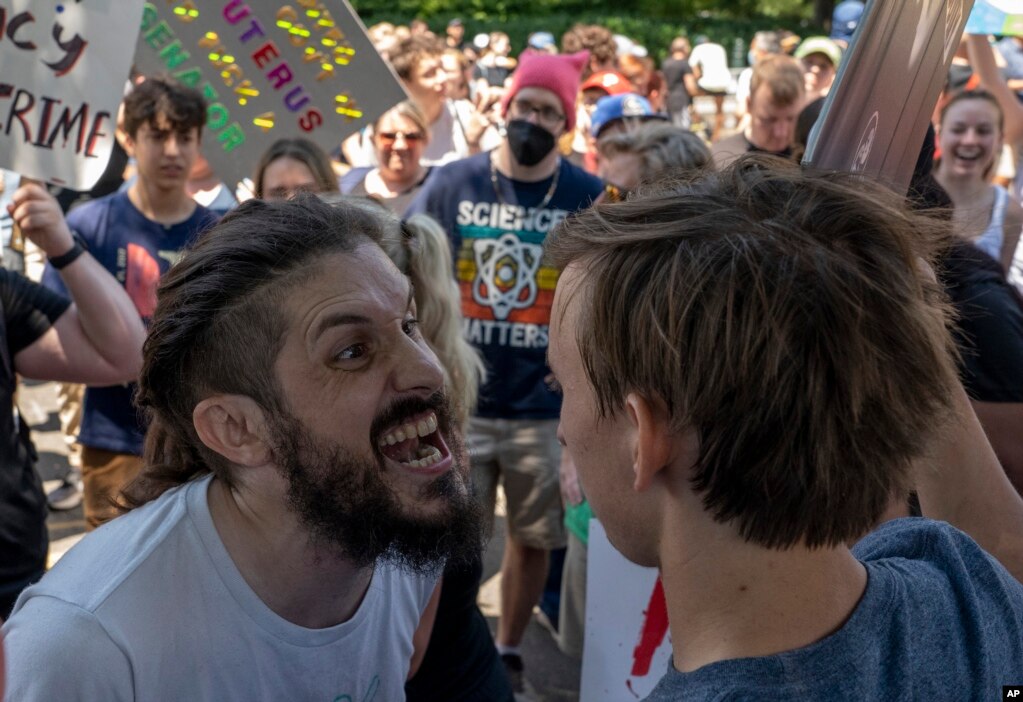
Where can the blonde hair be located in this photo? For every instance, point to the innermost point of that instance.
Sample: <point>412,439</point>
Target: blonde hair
<point>425,255</point>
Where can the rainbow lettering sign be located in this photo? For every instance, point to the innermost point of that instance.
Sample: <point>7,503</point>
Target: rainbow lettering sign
<point>268,70</point>
<point>60,86</point>
<point>996,17</point>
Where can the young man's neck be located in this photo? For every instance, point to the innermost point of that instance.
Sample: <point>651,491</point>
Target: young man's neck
<point>299,582</point>
<point>432,109</point>
<point>508,166</point>
<point>161,205</point>
<point>729,599</point>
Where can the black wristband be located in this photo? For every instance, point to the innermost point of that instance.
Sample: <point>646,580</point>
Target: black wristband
<point>64,260</point>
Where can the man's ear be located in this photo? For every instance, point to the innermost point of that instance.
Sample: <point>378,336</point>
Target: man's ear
<point>653,443</point>
<point>233,426</point>
<point>127,142</point>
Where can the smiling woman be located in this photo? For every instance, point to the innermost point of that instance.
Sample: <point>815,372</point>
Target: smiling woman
<point>400,137</point>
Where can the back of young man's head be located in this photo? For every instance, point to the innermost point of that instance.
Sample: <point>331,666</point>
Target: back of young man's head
<point>784,317</point>
<point>183,108</point>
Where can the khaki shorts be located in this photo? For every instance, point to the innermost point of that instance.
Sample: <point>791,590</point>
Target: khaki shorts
<point>523,455</point>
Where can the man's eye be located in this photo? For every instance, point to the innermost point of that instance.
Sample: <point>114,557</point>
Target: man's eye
<point>411,327</point>
<point>350,353</point>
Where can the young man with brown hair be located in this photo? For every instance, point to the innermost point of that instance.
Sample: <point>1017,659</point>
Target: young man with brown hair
<point>754,366</point>
<point>777,95</point>
<point>136,235</point>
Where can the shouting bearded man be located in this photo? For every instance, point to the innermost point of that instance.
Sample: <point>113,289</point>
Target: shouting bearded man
<point>303,484</point>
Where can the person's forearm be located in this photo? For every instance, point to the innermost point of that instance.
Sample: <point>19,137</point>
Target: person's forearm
<point>107,315</point>
<point>962,483</point>
<point>982,60</point>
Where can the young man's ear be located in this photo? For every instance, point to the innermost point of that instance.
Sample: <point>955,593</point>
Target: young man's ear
<point>235,427</point>
<point>654,439</point>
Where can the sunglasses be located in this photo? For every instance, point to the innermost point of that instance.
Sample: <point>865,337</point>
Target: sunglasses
<point>612,193</point>
<point>391,137</point>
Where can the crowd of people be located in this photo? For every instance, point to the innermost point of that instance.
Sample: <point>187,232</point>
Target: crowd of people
<point>565,274</point>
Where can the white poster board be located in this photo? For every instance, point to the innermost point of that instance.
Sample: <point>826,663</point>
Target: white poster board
<point>65,64</point>
<point>627,645</point>
<point>269,70</point>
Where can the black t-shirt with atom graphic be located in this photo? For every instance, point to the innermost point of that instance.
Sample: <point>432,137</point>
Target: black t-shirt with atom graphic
<point>497,244</point>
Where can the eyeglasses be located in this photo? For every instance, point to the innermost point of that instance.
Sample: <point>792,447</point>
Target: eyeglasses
<point>612,193</point>
<point>389,138</point>
<point>545,115</point>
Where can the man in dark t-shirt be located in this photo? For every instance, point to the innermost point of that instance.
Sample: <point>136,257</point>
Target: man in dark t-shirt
<point>989,335</point>
<point>497,209</point>
<point>681,82</point>
<point>95,338</point>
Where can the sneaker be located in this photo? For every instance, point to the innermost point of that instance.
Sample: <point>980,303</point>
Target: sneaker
<point>66,496</point>
<point>513,667</point>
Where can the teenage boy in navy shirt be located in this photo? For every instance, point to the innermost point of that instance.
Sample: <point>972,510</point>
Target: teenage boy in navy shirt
<point>136,235</point>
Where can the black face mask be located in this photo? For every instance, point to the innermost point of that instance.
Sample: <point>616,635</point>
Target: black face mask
<point>529,142</point>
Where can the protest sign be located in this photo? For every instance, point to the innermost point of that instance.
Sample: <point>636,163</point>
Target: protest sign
<point>996,17</point>
<point>877,112</point>
<point>627,647</point>
<point>269,70</point>
<point>61,83</point>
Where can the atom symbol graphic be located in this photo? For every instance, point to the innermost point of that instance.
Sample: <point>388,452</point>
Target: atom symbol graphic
<point>505,274</point>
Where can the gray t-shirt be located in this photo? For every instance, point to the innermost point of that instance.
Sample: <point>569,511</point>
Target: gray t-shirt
<point>940,620</point>
<point>151,607</point>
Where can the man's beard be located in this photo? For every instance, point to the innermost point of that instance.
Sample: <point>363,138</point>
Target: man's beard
<point>349,508</point>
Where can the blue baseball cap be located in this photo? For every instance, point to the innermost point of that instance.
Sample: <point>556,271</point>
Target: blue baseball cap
<point>541,40</point>
<point>615,107</point>
<point>845,18</point>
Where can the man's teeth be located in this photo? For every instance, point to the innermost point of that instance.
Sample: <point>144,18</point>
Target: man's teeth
<point>424,427</point>
<point>428,455</point>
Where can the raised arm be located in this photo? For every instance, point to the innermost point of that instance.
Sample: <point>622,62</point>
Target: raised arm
<point>962,483</point>
<point>982,59</point>
<point>98,340</point>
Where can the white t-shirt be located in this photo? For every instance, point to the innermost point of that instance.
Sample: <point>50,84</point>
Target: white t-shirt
<point>151,607</point>
<point>713,64</point>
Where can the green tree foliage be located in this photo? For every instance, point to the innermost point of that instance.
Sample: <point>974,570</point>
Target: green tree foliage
<point>653,23</point>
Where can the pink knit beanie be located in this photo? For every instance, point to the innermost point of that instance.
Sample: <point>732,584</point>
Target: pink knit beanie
<point>559,74</point>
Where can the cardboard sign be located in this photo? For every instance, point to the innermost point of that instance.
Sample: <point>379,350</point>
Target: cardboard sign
<point>627,646</point>
<point>65,63</point>
<point>269,70</point>
<point>996,17</point>
<point>876,115</point>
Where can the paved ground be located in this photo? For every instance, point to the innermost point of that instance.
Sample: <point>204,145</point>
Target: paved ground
<point>554,677</point>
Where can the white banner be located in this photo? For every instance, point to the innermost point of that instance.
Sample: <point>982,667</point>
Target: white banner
<point>65,64</point>
<point>627,645</point>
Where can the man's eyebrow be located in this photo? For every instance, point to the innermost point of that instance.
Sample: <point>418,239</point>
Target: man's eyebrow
<point>337,320</point>
<point>345,318</point>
